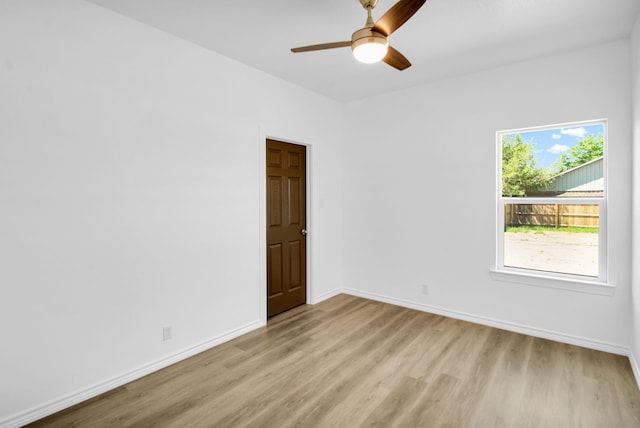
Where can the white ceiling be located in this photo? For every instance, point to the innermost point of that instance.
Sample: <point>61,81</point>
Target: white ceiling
<point>444,38</point>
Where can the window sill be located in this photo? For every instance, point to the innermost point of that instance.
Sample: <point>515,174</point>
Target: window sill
<point>570,284</point>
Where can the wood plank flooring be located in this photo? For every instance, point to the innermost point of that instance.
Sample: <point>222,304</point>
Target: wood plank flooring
<point>352,362</point>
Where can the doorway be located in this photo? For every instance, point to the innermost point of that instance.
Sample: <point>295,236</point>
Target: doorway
<point>286,226</point>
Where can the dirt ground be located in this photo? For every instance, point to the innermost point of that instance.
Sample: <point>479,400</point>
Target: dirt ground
<point>564,252</point>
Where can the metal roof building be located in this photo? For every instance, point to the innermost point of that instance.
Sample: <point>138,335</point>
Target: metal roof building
<point>583,180</point>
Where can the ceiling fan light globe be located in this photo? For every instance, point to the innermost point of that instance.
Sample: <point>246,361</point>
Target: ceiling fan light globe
<point>371,48</point>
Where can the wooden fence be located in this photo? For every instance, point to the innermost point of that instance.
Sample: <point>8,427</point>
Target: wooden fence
<point>553,215</point>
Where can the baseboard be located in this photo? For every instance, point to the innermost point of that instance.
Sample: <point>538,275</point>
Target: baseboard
<point>40,412</point>
<point>504,325</point>
<point>324,296</point>
<point>635,368</point>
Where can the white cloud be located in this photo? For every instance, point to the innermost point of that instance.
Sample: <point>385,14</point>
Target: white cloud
<point>558,148</point>
<point>556,136</point>
<point>575,132</point>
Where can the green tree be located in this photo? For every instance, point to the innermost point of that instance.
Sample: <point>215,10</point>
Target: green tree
<point>519,173</point>
<point>590,147</point>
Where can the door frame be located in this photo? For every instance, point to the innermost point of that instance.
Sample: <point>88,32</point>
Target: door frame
<point>262,155</point>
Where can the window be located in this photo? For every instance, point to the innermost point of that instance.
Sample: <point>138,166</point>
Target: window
<point>552,201</point>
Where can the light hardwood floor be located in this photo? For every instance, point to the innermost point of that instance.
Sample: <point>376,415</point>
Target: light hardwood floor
<point>350,362</point>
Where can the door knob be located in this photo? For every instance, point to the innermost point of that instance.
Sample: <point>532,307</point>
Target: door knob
<point>304,232</point>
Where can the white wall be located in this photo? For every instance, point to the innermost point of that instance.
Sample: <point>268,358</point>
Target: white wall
<point>130,197</point>
<point>635,301</point>
<point>420,193</point>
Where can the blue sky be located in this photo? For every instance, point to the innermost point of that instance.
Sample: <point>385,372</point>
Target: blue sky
<point>551,143</point>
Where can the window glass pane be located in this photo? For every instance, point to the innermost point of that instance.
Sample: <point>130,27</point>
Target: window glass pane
<point>556,162</point>
<point>559,238</point>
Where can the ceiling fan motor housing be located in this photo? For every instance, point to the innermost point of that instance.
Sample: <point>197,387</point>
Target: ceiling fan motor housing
<point>368,39</point>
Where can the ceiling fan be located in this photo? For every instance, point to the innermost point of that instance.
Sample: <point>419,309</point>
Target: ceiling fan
<point>371,43</point>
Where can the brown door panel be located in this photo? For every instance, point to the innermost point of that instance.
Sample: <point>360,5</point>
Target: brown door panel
<point>286,218</point>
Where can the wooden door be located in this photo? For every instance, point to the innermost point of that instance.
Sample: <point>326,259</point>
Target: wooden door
<point>286,227</point>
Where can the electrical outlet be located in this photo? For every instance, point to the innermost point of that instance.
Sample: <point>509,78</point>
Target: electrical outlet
<point>167,333</point>
<point>425,289</point>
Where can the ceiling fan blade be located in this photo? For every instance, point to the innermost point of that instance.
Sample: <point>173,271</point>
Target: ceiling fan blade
<point>397,15</point>
<point>396,60</point>
<point>321,46</point>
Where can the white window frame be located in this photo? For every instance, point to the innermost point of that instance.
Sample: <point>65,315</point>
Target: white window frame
<point>545,278</point>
